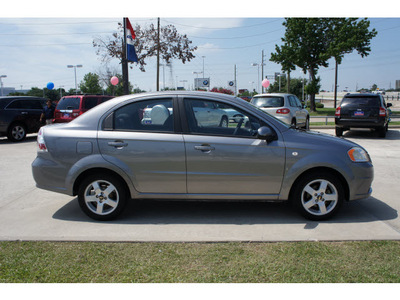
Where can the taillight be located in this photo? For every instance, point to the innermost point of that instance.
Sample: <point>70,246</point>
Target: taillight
<point>382,112</point>
<point>337,112</point>
<point>283,111</point>
<point>40,141</point>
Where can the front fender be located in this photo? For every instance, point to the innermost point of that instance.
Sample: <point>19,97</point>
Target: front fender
<point>296,167</point>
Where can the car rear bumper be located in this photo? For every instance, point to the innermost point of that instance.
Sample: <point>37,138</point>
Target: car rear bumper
<point>360,123</point>
<point>48,175</point>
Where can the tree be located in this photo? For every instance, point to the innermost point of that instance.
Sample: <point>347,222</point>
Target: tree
<point>283,56</point>
<point>295,87</point>
<point>172,45</point>
<point>91,84</point>
<point>310,42</point>
<point>345,36</point>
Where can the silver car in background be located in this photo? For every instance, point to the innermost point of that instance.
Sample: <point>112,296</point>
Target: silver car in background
<point>109,155</point>
<point>286,107</point>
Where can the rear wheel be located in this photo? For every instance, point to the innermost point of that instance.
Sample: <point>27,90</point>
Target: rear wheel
<point>382,131</point>
<point>318,196</point>
<point>339,131</point>
<point>102,197</point>
<point>224,122</point>
<point>307,126</point>
<point>16,132</point>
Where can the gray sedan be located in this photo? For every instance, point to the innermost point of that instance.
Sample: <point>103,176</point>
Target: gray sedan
<point>108,156</point>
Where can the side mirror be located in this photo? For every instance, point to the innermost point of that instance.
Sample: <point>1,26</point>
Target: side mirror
<point>388,104</point>
<point>266,133</point>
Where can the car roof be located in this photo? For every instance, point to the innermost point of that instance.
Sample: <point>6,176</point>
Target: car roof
<point>105,106</point>
<point>361,95</point>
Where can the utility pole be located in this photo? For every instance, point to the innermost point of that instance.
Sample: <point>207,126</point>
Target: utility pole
<point>262,71</point>
<point>158,54</point>
<point>125,74</point>
<point>235,81</point>
<point>335,96</point>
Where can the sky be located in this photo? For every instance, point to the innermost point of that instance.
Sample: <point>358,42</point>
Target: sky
<point>39,41</point>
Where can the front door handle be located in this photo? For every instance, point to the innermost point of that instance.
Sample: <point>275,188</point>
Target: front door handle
<point>117,144</point>
<point>204,148</point>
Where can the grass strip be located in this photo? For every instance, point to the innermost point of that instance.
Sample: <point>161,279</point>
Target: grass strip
<point>308,262</point>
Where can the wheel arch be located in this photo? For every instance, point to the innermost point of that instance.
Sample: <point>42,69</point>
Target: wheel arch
<point>94,171</point>
<point>317,170</point>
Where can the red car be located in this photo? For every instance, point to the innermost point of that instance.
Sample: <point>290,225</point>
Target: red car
<point>70,107</point>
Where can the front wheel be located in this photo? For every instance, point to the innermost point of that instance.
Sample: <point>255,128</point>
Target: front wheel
<point>102,197</point>
<point>318,196</point>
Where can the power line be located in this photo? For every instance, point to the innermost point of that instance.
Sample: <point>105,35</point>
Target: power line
<point>75,33</point>
<point>236,37</point>
<point>216,28</point>
<point>67,23</point>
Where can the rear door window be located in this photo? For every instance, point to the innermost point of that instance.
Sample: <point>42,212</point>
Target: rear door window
<point>25,104</point>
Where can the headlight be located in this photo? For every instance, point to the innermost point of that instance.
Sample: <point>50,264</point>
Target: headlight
<point>358,154</point>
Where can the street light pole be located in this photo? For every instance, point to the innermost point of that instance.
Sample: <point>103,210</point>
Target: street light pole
<point>75,66</point>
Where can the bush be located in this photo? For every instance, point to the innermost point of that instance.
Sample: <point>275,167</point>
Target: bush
<point>317,104</point>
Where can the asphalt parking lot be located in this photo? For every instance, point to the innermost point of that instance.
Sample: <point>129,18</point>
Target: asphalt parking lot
<point>28,213</point>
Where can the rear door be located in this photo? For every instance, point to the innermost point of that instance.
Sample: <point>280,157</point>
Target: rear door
<point>27,111</point>
<point>151,153</point>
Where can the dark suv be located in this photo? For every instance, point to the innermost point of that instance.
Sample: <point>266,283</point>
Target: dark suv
<point>70,107</point>
<point>362,111</point>
<point>20,115</point>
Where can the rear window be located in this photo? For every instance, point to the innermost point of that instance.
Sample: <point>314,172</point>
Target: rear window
<point>361,101</point>
<point>266,102</point>
<point>69,103</point>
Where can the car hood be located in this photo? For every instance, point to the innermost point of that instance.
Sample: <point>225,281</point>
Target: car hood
<point>316,140</point>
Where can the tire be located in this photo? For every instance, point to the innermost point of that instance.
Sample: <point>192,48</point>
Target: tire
<point>318,196</point>
<point>102,197</point>
<point>338,131</point>
<point>307,126</point>
<point>382,131</point>
<point>16,132</point>
<point>224,122</point>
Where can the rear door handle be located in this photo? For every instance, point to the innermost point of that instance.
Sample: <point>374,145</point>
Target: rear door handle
<point>24,113</point>
<point>204,148</point>
<point>117,144</point>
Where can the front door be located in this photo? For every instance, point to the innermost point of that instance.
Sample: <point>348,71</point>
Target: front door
<point>231,160</point>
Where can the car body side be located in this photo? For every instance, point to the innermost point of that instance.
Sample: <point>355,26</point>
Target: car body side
<point>303,151</point>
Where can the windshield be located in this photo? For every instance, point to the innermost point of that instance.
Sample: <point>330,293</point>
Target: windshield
<point>69,103</point>
<point>266,102</point>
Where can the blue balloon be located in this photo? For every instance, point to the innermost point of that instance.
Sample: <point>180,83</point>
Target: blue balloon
<point>50,85</point>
